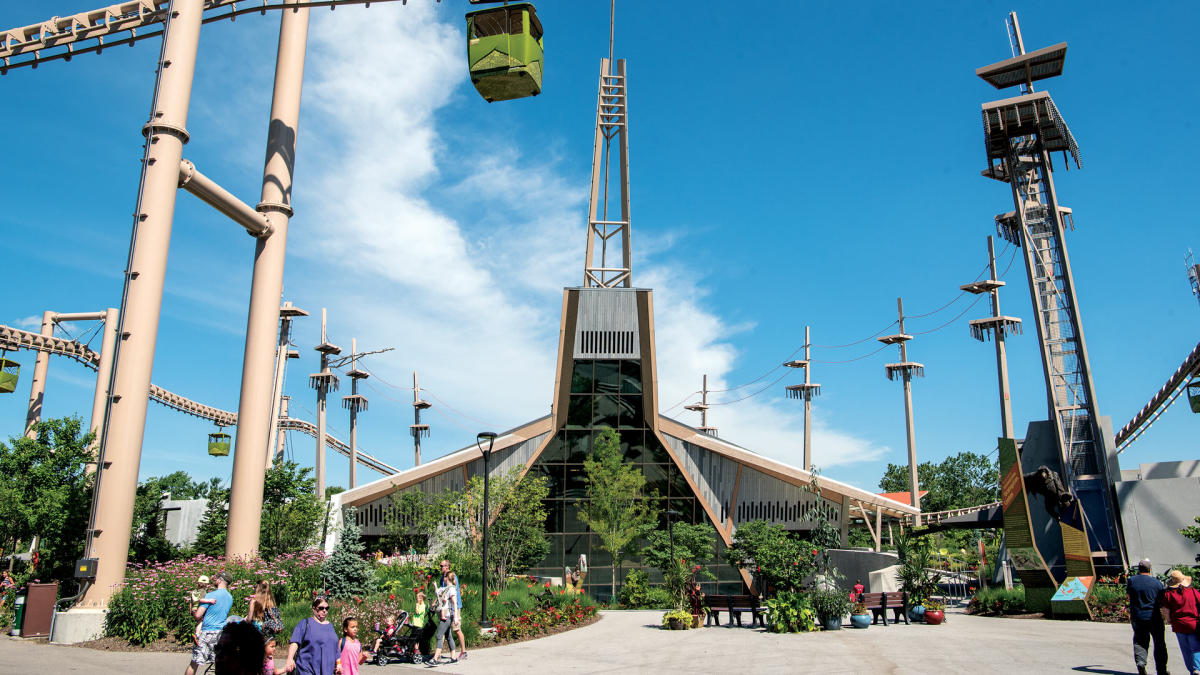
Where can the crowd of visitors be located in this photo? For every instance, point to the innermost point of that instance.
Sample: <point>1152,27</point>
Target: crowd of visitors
<point>246,645</point>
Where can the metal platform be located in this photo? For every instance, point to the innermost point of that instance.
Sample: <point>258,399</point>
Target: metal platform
<point>1031,67</point>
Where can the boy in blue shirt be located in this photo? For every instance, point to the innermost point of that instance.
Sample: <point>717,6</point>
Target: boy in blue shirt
<point>211,611</point>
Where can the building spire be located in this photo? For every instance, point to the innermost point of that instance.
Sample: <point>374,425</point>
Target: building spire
<point>603,268</point>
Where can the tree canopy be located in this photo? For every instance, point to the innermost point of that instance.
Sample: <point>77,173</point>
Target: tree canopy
<point>958,481</point>
<point>45,491</point>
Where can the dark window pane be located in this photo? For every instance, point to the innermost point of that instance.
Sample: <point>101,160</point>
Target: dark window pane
<point>656,478</point>
<point>553,452</point>
<point>576,486</point>
<point>654,450</point>
<point>577,447</point>
<point>679,484</point>
<point>632,447</point>
<point>581,377</point>
<point>554,517</point>
<point>605,411</point>
<point>579,414</point>
<point>631,412</point>
<point>573,546</point>
<point>631,377</point>
<point>608,379</point>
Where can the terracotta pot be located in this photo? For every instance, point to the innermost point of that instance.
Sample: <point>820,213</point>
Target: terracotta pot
<point>696,620</point>
<point>934,617</point>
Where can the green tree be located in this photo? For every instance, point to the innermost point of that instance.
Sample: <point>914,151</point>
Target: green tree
<point>210,537</point>
<point>958,481</point>
<point>517,534</point>
<point>615,507</point>
<point>147,541</point>
<point>346,572</point>
<point>778,560</point>
<point>406,522</point>
<point>693,548</point>
<point>45,491</point>
<point>292,515</point>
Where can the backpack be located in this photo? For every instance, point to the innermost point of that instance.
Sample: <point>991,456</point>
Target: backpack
<point>272,623</point>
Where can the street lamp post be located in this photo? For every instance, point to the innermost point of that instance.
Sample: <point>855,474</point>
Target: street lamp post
<point>490,436</point>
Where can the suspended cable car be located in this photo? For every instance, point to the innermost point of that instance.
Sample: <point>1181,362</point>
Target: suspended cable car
<point>218,444</point>
<point>10,372</point>
<point>1193,391</point>
<point>504,50</point>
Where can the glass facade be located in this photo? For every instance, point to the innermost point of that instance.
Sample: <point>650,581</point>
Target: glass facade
<point>608,393</point>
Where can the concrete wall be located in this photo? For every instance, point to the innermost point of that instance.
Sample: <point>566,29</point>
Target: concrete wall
<point>183,519</point>
<point>1154,508</point>
<point>875,569</point>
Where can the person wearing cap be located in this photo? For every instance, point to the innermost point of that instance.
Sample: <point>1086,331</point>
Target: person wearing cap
<point>1145,613</point>
<point>1182,602</point>
<point>211,612</point>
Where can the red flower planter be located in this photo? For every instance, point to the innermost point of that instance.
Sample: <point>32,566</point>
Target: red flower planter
<point>934,617</point>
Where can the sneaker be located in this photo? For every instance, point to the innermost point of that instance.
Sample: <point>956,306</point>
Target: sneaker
<point>431,664</point>
<point>462,655</point>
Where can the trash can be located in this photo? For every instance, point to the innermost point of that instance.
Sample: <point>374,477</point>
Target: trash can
<point>18,615</point>
<point>39,609</point>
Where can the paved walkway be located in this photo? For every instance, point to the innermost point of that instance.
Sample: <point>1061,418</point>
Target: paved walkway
<point>632,642</point>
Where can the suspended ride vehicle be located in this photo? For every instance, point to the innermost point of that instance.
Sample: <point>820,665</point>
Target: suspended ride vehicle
<point>218,444</point>
<point>504,51</point>
<point>10,372</point>
<point>1193,391</point>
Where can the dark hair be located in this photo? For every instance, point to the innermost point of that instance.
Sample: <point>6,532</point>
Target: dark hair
<point>346,622</point>
<point>240,650</point>
<point>318,600</point>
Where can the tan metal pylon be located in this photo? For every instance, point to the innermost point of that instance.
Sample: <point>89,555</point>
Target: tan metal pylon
<point>417,429</point>
<point>702,408</point>
<point>125,421</point>
<point>998,327</point>
<point>282,353</point>
<point>323,381</point>
<point>906,370</point>
<point>806,392</point>
<point>355,403</point>
<point>37,385</point>
<point>255,404</point>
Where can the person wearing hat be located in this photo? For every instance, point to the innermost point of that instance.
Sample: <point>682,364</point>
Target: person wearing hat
<point>1145,613</point>
<point>1182,602</point>
<point>211,611</point>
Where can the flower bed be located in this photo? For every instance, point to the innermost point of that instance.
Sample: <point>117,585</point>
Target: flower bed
<point>155,600</point>
<point>534,622</point>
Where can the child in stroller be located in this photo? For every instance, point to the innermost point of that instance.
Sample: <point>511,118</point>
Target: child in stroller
<point>397,641</point>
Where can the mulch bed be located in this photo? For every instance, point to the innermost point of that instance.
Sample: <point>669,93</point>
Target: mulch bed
<point>112,644</point>
<point>552,631</point>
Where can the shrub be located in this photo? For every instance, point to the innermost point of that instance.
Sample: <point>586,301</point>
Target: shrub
<point>346,572</point>
<point>637,593</point>
<point>1109,603</point>
<point>791,612</point>
<point>829,603</point>
<point>680,615</point>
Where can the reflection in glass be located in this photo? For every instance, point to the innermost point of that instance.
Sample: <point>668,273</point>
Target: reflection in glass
<point>608,378</point>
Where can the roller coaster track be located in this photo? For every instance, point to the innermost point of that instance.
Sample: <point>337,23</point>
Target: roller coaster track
<point>62,37</point>
<point>14,338</point>
<point>1160,401</point>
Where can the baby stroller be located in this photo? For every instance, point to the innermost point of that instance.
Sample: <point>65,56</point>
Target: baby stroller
<point>398,646</point>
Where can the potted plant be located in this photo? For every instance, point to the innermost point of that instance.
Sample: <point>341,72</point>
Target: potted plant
<point>677,620</point>
<point>916,608</point>
<point>860,616</point>
<point>830,605</point>
<point>934,612</point>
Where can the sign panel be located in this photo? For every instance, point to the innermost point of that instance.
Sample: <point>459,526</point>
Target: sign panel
<point>1018,531</point>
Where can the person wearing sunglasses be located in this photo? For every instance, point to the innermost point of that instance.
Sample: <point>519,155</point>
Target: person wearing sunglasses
<point>313,649</point>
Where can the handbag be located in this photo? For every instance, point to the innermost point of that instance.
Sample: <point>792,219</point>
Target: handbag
<point>272,623</point>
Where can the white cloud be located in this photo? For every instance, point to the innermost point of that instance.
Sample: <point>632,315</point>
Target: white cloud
<point>456,256</point>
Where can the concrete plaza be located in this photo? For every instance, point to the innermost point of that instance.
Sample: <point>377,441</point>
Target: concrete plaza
<point>633,642</point>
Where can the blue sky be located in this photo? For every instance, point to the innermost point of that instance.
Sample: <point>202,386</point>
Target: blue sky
<point>789,167</point>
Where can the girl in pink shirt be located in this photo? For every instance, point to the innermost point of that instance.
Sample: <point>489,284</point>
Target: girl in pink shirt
<point>352,653</point>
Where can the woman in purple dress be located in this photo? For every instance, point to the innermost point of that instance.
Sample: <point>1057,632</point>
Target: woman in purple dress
<point>314,645</point>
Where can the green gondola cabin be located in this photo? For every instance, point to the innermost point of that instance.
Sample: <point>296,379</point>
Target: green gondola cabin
<point>504,50</point>
<point>218,444</point>
<point>1193,392</point>
<point>10,372</point>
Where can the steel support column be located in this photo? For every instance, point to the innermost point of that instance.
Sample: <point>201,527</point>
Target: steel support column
<point>125,420</point>
<point>37,386</point>
<point>255,405</point>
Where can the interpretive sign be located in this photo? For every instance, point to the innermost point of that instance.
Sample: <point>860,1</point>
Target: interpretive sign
<point>1018,531</point>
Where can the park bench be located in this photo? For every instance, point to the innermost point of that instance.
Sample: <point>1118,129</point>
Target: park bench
<point>735,605</point>
<point>880,603</point>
